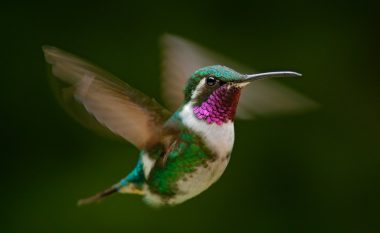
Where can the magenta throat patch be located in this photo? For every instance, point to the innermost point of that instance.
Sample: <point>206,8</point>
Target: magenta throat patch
<point>220,105</point>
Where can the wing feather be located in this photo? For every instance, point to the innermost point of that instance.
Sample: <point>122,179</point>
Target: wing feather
<point>118,107</point>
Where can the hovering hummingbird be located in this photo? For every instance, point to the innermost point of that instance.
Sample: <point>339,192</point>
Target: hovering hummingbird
<point>182,151</point>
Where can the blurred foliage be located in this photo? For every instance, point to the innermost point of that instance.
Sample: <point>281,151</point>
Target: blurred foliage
<point>317,172</point>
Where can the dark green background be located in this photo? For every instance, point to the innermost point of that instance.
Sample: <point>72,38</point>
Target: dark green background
<point>317,172</point>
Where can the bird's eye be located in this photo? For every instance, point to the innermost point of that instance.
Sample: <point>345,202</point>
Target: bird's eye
<point>211,81</point>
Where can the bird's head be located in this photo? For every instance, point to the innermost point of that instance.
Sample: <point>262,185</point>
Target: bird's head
<point>213,91</point>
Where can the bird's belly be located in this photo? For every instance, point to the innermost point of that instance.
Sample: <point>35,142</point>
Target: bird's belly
<point>191,184</point>
<point>202,178</point>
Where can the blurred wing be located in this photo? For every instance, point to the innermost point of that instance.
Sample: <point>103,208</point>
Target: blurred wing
<point>263,98</point>
<point>105,99</point>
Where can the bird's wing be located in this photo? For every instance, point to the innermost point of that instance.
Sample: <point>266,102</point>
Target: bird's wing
<point>93,95</point>
<point>263,98</point>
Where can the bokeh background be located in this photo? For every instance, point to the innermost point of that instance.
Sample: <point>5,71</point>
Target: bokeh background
<point>316,172</point>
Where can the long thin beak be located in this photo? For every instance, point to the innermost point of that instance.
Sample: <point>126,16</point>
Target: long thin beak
<point>254,77</point>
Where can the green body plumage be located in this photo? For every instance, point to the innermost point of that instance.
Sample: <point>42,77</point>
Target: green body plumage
<point>163,181</point>
<point>187,154</point>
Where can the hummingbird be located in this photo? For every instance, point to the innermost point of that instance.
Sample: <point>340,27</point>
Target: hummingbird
<point>184,149</point>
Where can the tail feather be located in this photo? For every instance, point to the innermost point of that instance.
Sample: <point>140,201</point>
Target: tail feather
<point>98,196</point>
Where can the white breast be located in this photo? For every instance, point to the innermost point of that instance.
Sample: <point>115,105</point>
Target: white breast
<point>219,138</point>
